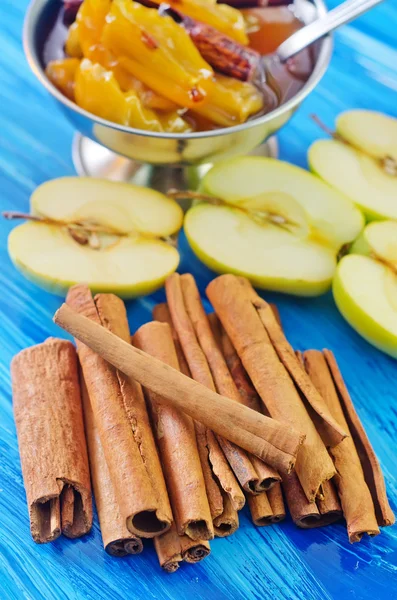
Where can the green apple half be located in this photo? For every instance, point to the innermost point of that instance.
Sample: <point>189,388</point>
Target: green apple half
<point>378,240</point>
<point>365,286</point>
<point>372,132</point>
<point>128,265</point>
<point>275,223</point>
<point>356,166</point>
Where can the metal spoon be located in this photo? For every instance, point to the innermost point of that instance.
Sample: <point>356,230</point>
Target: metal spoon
<point>342,14</point>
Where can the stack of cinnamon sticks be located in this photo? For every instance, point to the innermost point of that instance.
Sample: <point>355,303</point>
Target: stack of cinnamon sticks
<point>336,472</point>
<point>184,423</point>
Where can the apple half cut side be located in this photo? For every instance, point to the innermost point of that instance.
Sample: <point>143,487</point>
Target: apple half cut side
<point>229,242</point>
<point>129,256</point>
<point>357,175</point>
<point>372,132</point>
<point>274,223</point>
<point>333,219</point>
<point>365,292</point>
<point>378,240</point>
<point>50,258</point>
<point>122,206</point>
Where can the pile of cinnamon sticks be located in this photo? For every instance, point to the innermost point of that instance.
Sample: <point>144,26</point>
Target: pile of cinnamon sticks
<point>184,423</point>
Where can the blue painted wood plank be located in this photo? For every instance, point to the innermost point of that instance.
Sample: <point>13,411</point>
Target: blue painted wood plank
<point>279,562</point>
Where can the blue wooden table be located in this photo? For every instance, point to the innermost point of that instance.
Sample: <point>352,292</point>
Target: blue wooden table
<point>280,562</point>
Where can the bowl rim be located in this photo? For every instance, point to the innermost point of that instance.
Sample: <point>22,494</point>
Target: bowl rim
<point>35,9</point>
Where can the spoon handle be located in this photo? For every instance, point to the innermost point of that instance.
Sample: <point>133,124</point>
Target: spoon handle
<point>344,13</point>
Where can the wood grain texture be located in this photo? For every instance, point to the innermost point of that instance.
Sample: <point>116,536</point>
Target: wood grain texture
<point>281,562</point>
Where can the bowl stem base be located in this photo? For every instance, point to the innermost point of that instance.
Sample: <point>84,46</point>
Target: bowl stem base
<point>91,159</point>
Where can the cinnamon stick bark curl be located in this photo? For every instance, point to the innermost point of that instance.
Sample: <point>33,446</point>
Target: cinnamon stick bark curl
<point>52,445</point>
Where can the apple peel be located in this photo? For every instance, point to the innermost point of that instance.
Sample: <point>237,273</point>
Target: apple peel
<point>365,292</point>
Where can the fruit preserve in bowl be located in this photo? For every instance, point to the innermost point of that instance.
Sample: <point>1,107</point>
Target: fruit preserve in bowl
<point>176,84</point>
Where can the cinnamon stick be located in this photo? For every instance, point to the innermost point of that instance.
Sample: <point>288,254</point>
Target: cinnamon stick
<point>275,497</point>
<point>172,549</point>
<point>274,442</point>
<point>357,503</point>
<point>222,52</point>
<point>52,445</point>
<point>206,443</point>
<point>248,393</point>
<point>194,551</point>
<point>330,431</point>
<point>267,476</point>
<point>239,316</point>
<point>227,522</point>
<point>329,507</point>
<point>111,396</point>
<point>176,440</point>
<point>201,373</point>
<point>260,509</point>
<point>113,315</point>
<point>276,313</point>
<point>117,540</point>
<point>215,499</point>
<point>225,517</point>
<point>243,464</point>
<point>209,451</point>
<point>168,550</point>
<point>308,515</point>
<point>369,462</point>
<point>161,313</point>
<point>267,508</point>
<point>304,513</point>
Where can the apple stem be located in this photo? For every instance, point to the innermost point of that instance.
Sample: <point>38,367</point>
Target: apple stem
<point>12,214</point>
<point>89,227</point>
<point>84,233</point>
<point>343,251</point>
<point>327,130</point>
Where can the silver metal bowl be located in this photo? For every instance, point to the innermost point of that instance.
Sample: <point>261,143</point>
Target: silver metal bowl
<point>162,160</point>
